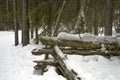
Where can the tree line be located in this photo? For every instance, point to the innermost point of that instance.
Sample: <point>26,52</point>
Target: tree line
<point>54,16</point>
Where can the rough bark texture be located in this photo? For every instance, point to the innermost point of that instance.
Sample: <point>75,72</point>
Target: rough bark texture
<point>55,32</point>
<point>59,63</point>
<point>7,9</point>
<point>80,25</point>
<point>36,35</point>
<point>62,66</point>
<point>83,52</point>
<point>51,41</point>
<point>118,29</point>
<point>95,19</point>
<point>68,43</point>
<point>25,23</point>
<point>49,26</point>
<point>109,17</point>
<point>32,31</point>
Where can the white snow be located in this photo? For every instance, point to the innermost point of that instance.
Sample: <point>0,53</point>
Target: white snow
<point>16,63</point>
<point>64,35</point>
<point>94,67</point>
<point>87,37</point>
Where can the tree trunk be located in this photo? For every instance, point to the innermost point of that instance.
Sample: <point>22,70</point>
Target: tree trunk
<point>110,43</point>
<point>84,52</point>
<point>36,35</point>
<point>109,17</point>
<point>25,23</point>
<point>36,23</point>
<point>15,22</point>
<point>49,27</point>
<point>67,43</point>
<point>32,30</point>
<point>77,6</point>
<point>7,9</point>
<point>118,28</point>
<point>80,25</point>
<point>55,32</point>
<point>95,19</point>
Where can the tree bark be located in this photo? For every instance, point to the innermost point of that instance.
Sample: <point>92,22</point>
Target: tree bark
<point>118,29</point>
<point>49,22</point>
<point>80,25</point>
<point>110,43</point>
<point>67,43</point>
<point>83,52</point>
<point>15,22</point>
<point>25,23</point>
<point>36,23</point>
<point>36,35</point>
<point>32,30</point>
<point>7,8</point>
<point>55,31</point>
<point>95,19</point>
<point>109,17</point>
<point>59,57</point>
<point>77,6</point>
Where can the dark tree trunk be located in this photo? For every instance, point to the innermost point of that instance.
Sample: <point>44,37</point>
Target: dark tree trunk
<point>36,35</point>
<point>31,23</point>
<point>25,23</point>
<point>95,19</point>
<point>118,28</point>
<point>32,31</point>
<point>37,24</point>
<point>109,17</point>
<point>49,27</point>
<point>15,22</point>
<point>7,9</point>
<point>77,6</point>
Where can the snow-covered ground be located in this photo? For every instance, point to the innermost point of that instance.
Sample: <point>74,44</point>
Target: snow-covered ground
<point>16,63</point>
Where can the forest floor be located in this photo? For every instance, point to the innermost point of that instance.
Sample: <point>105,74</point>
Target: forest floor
<point>16,63</point>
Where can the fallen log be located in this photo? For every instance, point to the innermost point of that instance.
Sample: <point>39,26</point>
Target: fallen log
<point>83,52</point>
<point>58,62</point>
<point>51,41</point>
<point>59,57</point>
<point>75,43</point>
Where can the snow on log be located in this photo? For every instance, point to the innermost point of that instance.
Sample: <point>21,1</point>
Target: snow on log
<point>67,43</point>
<point>87,37</point>
<point>85,40</point>
<point>58,51</point>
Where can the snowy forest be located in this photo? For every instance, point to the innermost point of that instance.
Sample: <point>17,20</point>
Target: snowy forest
<point>59,39</point>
